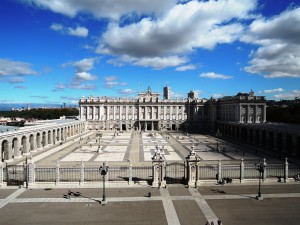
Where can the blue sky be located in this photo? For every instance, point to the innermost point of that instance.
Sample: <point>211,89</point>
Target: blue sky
<point>54,51</point>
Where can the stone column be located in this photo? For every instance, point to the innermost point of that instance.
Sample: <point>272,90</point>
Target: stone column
<point>265,173</point>
<point>57,173</point>
<point>219,170</point>
<point>193,169</point>
<point>9,152</point>
<point>158,171</point>
<point>30,173</point>
<point>1,173</point>
<point>81,173</point>
<point>26,147</point>
<point>59,135</point>
<point>286,170</point>
<point>165,117</point>
<point>17,149</point>
<point>264,113</point>
<point>242,172</point>
<point>129,172</point>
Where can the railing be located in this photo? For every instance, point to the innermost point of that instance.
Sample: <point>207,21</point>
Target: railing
<point>174,173</point>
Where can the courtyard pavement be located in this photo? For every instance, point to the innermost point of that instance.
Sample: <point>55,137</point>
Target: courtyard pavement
<point>139,148</point>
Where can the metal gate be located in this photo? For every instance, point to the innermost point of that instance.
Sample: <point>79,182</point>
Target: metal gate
<point>176,173</point>
<point>15,175</point>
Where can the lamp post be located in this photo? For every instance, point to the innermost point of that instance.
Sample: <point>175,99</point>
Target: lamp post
<point>103,171</point>
<point>260,167</point>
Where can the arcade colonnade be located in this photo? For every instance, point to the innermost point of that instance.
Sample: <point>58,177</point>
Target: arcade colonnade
<point>282,142</point>
<point>21,142</point>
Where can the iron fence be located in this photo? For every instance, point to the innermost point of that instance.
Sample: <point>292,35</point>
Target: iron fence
<point>92,173</point>
<point>118,173</point>
<point>275,170</point>
<point>250,171</point>
<point>294,170</point>
<point>142,173</point>
<point>69,174</point>
<point>175,173</point>
<point>232,171</point>
<point>207,172</point>
<point>45,174</point>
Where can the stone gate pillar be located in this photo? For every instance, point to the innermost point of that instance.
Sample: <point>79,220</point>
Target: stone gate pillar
<point>193,168</point>
<point>158,169</point>
<point>30,172</point>
<point>286,170</point>
<point>1,173</point>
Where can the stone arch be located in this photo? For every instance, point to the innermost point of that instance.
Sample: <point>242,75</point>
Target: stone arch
<point>5,154</point>
<point>15,147</point>
<point>24,145</point>
<point>49,137</point>
<point>54,136</point>
<point>57,134</point>
<point>44,139</point>
<point>31,142</point>
<point>38,140</point>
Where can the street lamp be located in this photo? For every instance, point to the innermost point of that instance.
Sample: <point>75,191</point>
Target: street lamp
<point>260,167</point>
<point>103,171</point>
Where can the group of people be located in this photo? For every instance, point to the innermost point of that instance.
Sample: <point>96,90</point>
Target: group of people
<point>225,180</point>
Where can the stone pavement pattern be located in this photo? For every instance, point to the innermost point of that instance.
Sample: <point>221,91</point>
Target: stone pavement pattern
<point>175,205</point>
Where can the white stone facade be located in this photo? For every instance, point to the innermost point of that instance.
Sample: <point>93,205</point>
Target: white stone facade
<point>148,112</point>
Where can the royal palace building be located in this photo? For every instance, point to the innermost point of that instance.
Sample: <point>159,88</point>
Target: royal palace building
<point>148,112</point>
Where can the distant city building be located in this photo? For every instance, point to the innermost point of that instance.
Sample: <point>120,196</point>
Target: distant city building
<point>167,93</point>
<point>149,112</point>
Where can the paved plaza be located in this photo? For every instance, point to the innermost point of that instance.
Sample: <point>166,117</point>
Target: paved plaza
<point>120,147</point>
<point>175,205</point>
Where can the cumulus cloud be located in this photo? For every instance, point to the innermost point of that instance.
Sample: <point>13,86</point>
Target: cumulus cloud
<point>78,31</point>
<point>288,95</point>
<point>212,75</point>
<point>182,29</point>
<point>59,87</point>
<point>56,27</point>
<point>186,67</point>
<point>79,86</point>
<point>39,96</point>
<point>10,67</point>
<point>127,91</point>
<point>15,80</point>
<point>111,82</point>
<point>273,90</point>
<point>278,54</point>
<point>21,87</point>
<point>112,9</point>
<point>82,67</point>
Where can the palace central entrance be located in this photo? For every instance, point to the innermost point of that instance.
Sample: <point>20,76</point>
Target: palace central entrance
<point>148,125</point>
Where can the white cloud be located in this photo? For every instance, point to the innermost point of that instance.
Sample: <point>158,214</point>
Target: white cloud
<point>288,95</point>
<point>279,51</point>
<point>82,67</point>
<point>212,75</point>
<point>9,67</point>
<point>84,76</point>
<point>112,9</point>
<point>77,85</point>
<point>216,95</point>
<point>273,90</point>
<point>56,27</point>
<point>127,91</point>
<point>182,29</point>
<point>111,82</point>
<point>15,80</point>
<point>78,31</point>
<point>186,67</point>
<point>59,87</point>
<point>21,87</point>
